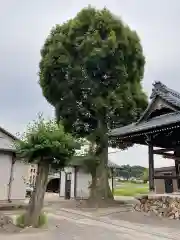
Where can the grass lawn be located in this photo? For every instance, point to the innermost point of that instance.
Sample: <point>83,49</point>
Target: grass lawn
<point>131,189</point>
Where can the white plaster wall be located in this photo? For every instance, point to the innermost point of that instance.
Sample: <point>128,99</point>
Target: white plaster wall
<point>62,184</point>
<point>83,180</point>
<point>110,183</point>
<point>5,166</point>
<point>20,172</point>
<point>72,182</point>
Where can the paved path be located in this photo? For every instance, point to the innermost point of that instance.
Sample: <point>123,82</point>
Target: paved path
<point>69,225</point>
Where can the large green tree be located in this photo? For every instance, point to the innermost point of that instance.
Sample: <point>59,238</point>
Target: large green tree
<point>91,70</point>
<point>46,144</point>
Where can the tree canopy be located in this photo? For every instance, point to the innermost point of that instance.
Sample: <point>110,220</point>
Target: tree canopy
<point>91,68</point>
<point>46,142</point>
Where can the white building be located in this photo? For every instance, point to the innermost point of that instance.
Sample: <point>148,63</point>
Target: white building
<point>75,182</point>
<point>13,173</point>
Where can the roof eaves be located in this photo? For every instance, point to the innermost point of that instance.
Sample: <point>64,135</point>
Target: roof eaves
<point>8,134</point>
<point>78,164</point>
<point>163,120</point>
<point>147,109</point>
<point>165,169</point>
<point>115,131</point>
<point>113,165</point>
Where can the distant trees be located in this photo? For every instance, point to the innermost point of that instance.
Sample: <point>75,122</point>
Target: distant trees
<point>127,171</point>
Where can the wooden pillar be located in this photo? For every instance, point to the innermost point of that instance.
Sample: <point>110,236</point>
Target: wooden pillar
<point>151,167</point>
<point>112,179</point>
<point>60,183</point>
<point>177,173</point>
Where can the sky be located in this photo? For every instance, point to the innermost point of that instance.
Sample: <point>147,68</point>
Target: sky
<point>24,26</point>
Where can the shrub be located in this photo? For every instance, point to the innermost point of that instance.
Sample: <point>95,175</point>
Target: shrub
<point>20,220</point>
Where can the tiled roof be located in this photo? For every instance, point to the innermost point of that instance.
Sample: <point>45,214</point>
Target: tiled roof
<point>170,96</point>
<point>155,122</point>
<point>165,169</point>
<point>8,133</point>
<point>113,165</point>
<point>76,162</point>
<point>166,93</point>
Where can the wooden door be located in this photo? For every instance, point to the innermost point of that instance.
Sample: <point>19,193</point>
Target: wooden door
<point>168,185</point>
<point>67,185</point>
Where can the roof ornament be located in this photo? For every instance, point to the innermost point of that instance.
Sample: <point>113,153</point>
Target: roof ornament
<point>158,87</point>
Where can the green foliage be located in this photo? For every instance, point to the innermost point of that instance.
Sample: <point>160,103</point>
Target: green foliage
<point>91,70</point>
<point>20,220</point>
<point>46,141</point>
<point>43,220</point>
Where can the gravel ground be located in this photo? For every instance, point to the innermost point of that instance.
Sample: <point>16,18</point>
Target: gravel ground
<point>80,222</point>
<point>86,228</point>
<point>118,212</point>
<point>140,218</point>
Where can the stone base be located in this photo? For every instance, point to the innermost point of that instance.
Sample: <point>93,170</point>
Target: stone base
<point>163,205</point>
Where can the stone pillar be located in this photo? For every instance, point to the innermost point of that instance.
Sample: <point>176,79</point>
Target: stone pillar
<point>177,174</point>
<point>151,167</point>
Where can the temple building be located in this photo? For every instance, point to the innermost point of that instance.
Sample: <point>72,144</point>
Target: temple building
<point>159,129</point>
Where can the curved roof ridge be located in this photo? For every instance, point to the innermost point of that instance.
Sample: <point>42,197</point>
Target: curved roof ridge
<point>160,87</point>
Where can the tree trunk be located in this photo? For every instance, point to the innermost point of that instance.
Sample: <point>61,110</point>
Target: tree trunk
<point>37,198</point>
<point>93,187</point>
<point>93,190</point>
<point>102,189</point>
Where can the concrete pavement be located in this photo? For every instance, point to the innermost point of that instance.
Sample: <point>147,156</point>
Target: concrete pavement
<point>67,225</point>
